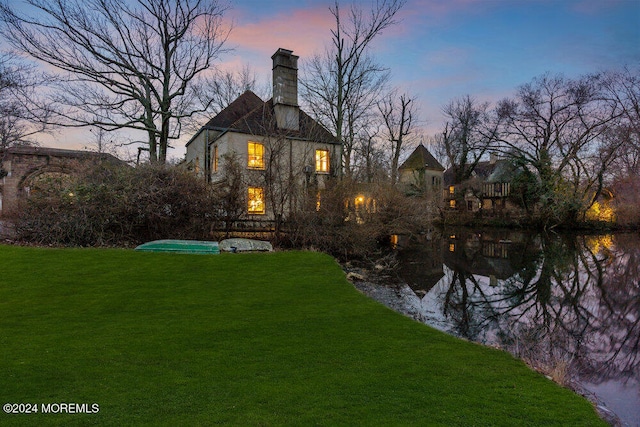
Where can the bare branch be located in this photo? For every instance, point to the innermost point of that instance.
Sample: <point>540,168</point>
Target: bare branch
<point>121,64</point>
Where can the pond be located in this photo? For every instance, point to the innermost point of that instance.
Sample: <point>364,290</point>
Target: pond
<point>569,305</point>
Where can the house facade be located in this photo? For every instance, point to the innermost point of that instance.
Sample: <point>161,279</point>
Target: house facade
<point>487,191</point>
<point>281,154</point>
<point>421,174</point>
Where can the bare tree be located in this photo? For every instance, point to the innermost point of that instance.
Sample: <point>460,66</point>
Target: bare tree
<point>17,84</point>
<point>228,192</point>
<point>343,83</point>
<point>221,88</point>
<point>399,116</point>
<point>623,88</point>
<point>556,127</point>
<point>121,64</point>
<point>370,164</point>
<point>466,135</point>
<point>103,141</point>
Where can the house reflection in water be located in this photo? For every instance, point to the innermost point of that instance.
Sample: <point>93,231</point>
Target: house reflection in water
<point>456,275</point>
<point>492,254</point>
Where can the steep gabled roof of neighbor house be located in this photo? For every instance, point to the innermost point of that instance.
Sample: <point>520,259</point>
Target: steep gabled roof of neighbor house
<point>494,171</point>
<point>500,170</point>
<point>421,158</point>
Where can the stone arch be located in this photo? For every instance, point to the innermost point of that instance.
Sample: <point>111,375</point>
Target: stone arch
<point>25,166</point>
<point>40,174</point>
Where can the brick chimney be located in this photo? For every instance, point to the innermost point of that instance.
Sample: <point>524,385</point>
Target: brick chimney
<point>285,89</point>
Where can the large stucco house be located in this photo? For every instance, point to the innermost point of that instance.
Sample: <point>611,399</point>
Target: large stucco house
<point>284,155</point>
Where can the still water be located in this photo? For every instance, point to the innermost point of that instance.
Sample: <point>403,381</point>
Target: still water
<point>567,304</point>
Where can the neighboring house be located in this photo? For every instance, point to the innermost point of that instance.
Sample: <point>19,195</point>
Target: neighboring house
<point>23,167</point>
<point>488,190</point>
<point>421,173</point>
<point>284,154</point>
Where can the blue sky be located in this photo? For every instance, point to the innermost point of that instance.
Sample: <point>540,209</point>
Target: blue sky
<point>443,49</point>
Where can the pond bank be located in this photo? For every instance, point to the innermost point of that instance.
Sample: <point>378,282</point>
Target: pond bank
<point>390,295</point>
<point>507,290</point>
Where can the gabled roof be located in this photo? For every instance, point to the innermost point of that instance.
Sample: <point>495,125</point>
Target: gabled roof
<point>500,170</point>
<point>492,171</point>
<point>246,102</point>
<point>250,115</point>
<point>421,158</point>
<point>262,121</point>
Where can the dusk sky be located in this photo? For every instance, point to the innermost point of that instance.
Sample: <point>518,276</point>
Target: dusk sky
<point>443,49</point>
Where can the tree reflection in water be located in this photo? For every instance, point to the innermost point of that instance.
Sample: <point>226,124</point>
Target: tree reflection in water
<point>567,304</point>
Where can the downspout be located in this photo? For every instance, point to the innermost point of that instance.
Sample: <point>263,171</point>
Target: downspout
<point>291,182</point>
<point>207,166</point>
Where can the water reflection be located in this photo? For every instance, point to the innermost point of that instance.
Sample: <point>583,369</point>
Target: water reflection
<point>568,304</point>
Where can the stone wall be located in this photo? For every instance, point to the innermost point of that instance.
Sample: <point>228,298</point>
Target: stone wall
<point>21,166</point>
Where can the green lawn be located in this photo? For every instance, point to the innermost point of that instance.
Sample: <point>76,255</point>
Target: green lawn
<point>243,339</point>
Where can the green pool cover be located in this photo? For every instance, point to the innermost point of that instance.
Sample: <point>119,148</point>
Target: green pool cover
<point>181,247</point>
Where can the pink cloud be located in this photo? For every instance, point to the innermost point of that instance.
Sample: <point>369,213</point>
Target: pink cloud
<point>302,30</point>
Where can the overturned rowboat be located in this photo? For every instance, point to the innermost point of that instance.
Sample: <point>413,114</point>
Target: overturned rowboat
<point>181,247</point>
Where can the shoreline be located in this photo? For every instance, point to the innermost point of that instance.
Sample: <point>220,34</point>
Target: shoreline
<point>367,281</point>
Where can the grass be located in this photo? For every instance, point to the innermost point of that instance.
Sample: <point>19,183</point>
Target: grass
<point>245,339</point>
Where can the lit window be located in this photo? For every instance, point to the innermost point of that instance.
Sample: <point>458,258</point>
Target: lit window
<point>255,198</point>
<point>452,247</point>
<point>452,204</point>
<point>452,189</point>
<point>215,158</point>
<point>322,161</point>
<point>255,155</point>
